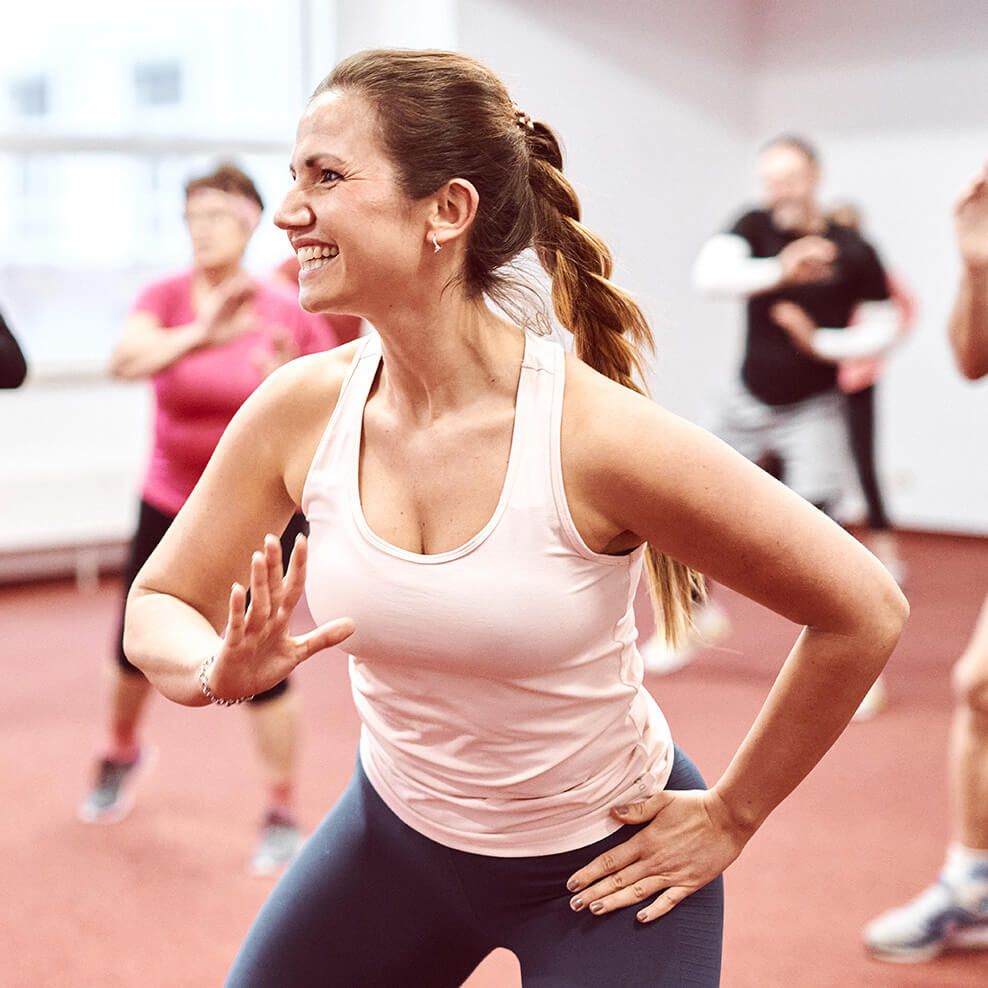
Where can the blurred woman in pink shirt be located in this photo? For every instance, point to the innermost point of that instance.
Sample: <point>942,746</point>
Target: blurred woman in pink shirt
<point>206,338</point>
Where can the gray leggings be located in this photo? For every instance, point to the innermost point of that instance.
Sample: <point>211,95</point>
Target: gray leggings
<point>371,903</point>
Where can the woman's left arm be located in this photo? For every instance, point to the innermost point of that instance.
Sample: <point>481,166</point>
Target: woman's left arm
<point>639,469</point>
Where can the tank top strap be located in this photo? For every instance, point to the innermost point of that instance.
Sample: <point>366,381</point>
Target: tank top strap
<point>336,447</point>
<point>537,417</point>
<point>347,420</point>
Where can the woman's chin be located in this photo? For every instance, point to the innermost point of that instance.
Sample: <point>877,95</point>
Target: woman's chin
<point>312,299</point>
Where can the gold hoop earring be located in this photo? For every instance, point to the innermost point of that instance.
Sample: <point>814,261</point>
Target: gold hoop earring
<point>436,246</point>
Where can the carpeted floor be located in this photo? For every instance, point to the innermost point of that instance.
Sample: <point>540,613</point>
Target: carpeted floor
<point>162,900</point>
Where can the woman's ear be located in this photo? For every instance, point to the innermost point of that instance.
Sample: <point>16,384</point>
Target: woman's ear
<point>455,209</point>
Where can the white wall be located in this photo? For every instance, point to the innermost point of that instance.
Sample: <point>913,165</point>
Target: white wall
<point>660,107</point>
<point>650,102</point>
<point>896,103</point>
<point>72,457</point>
<point>395,24</point>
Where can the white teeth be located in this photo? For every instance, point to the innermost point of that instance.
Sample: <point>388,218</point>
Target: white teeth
<point>316,252</point>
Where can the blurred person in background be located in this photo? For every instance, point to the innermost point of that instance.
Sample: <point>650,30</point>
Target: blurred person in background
<point>13,366</point>
<point>857,378</point>
<point>953,912</point>
<point>803,278</point>
<point>206,338</point>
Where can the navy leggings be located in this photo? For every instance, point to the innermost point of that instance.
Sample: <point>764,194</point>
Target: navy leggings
<point>151,527</point>
<point>371,903</point>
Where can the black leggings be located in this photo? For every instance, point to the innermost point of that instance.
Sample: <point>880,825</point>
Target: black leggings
<point>151,527</point>
<point>372,903</point>
<point>859,410</point>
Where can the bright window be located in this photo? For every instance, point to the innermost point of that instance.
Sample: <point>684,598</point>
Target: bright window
<point>110,108</point>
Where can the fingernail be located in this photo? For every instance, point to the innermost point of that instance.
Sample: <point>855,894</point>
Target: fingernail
<point>576,904</point>
<point>572,885</point>
<point>642,916</point>
<point>597,908</point>
<point>623,810</point>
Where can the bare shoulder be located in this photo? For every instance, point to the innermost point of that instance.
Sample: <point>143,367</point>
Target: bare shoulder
<point>613,444</point>
<point>306,384</point>
<point>604,419</point>
<point>288,414</point>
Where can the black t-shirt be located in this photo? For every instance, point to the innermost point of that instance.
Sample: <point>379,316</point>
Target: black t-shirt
<point>774,370</point>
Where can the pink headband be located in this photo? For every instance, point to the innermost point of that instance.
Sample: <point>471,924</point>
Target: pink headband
<point>246,210</point>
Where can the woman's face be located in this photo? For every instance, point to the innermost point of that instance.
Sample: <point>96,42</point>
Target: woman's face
<point>218,229</point>
<point>360,242</point>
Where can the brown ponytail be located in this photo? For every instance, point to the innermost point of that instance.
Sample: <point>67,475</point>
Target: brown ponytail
<point>442,115</point>
<point>609,330</point>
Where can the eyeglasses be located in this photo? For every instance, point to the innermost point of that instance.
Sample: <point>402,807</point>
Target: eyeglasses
<point>210,217</point>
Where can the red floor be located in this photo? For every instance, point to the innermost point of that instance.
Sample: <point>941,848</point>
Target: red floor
<point>162,901</point>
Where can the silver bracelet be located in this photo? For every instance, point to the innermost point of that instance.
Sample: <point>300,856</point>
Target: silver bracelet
<point>207,664</point>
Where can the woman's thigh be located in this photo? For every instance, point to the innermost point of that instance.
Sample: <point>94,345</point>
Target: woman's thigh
<point>369,903</point>
<point>558,948</point>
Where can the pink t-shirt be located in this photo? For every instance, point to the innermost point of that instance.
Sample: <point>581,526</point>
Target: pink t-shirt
<point>196,396</point>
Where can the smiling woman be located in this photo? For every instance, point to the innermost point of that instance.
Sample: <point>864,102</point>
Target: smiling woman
<point>482,506</point>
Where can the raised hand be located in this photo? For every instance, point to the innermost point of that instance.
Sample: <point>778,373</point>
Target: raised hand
<point>971,223</point>
<point>797,323</point>
<point>257,651</point>
<point>281,350</point>
<point>690,840</point>
<point>807,260</point>
<point>228,311</point>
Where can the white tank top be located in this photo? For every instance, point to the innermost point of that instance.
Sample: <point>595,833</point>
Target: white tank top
<point>498,684</point>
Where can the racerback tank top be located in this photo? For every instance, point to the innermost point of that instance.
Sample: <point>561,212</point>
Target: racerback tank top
<point>499,685</point>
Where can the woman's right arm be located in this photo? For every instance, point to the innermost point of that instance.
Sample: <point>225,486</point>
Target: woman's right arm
<point>187,602</point>
<point>146,347</point>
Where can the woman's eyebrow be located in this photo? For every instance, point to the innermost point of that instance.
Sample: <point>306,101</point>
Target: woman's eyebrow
<point>323,157</point>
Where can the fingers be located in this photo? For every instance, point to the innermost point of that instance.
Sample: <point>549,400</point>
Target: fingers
<point>818,248</point>
<point>646,809</point>
<point>294,581</point>
<point>325,636</point>
<point>666,902</point>
<point>636,887</point>
<point>630,887</point>
<point>235,616</point>
<point>608,863</point>
<point>275,569</point>
<point>260,591</point>
<point>669,899</point>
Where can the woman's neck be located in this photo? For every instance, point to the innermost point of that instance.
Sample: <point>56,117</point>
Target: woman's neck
<point>441,358</point>
<point>206,278</point>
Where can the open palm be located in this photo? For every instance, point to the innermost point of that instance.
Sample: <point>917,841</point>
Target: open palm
<point>257,651</point>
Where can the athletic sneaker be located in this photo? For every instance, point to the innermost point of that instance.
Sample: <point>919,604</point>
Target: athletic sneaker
<point>280,841</point>
<point>711,626</point>
<point>942,917</point>
<point>112,795</point>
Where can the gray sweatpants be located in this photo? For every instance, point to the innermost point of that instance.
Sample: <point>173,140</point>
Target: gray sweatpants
<point>809,437</point>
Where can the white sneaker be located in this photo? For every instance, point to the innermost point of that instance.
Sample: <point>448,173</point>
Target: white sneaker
<point>279,842</point>
<point>940,918</point>
<point>112,795</point>
<point>711,626</point>
<point>874,701</point>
